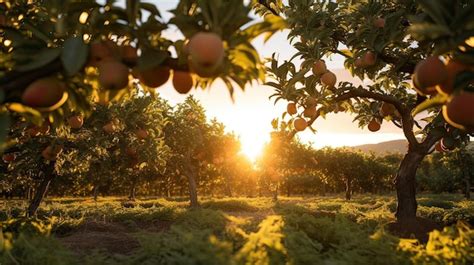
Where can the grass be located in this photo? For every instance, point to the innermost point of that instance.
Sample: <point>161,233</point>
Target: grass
<point>294,230</point>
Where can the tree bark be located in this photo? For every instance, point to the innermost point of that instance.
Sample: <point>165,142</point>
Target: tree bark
<point>467,179</point>
<point>193,198</point>
<point>288,188</point>
<point>191,172</point>
<point>131,196</point>
<point>465,160</point>
<point>228,189</point>
<point>275,194</point>
<point>468,187</point>
<point>405,183</point>
<point>348,188</point>
<point>95,192</point>
<point>168,188</point>
<point>41,191</point>
<point>29,193</point>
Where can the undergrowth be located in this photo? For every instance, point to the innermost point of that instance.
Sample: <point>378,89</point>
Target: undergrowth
<point>321,230</point>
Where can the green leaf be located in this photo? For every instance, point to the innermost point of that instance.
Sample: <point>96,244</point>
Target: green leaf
<point>435,10</point>
<point>275,123</point>
<point>438,100</point>
<point>151,58</point>
<point>150,8</point>
<point>74,55</point>
<point>41,59</point>
<point>270,25</point>
<point>82,6</point>
<point>421,31</point>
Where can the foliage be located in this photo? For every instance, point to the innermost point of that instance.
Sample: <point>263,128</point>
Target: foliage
<point>293,231</point>
<point>56,39</point>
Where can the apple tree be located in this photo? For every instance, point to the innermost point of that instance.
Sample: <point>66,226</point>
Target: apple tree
<point>120,144</point>
<point>185,134</point>
<point>386,44</point>
<point>60,56</point>
<point>33,159</point>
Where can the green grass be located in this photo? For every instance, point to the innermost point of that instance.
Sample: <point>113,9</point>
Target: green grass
<point>294,230</point>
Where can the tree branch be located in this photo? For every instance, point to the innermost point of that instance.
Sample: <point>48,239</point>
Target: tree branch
<point>397,124</point>
<point>405,67</point>
<point>407,119</point>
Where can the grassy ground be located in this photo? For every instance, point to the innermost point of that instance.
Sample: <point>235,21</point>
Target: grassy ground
<point>296,230</point>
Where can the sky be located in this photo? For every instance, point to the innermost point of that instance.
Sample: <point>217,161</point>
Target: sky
<point>250,115</point>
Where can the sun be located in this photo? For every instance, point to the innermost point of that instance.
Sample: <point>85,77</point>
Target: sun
<point>252,146</point>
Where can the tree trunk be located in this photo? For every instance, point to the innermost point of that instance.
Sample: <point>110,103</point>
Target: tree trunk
<point>348,188</point>
<point>193,198</point>
<point>464,161</point>
<point>405,183</point>
<point>29,192</point>
<point>275,194</point>
<point>41,191</point>
<point>190,171</point>
<point>95,192</point>
<point>467,179</point>
<point>133,189</point>
<point>131,196</point>
<point>228,189</point>
<point>168,190</point>
<point>288,188</point>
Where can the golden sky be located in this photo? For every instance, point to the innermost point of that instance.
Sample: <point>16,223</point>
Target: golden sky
<point>251,113</point>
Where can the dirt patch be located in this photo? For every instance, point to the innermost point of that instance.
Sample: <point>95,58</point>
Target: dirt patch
<point>112,237</point>
<point>92,236</point>
<point>418,228</point>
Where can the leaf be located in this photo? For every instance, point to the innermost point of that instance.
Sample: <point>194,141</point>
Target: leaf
<point>270,25</point>
<point>435,10</point>
<point>74,55</point>
<point>150,8</point>
<point>275,123</point>
<point>41,59</point>
<point>151,58</point>
<point>421,31</point>
<point>438,100</point>
<point>81,6</point>
<point>347,52</point>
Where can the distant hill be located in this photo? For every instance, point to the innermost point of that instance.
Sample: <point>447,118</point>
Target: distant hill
<point>395,146</point>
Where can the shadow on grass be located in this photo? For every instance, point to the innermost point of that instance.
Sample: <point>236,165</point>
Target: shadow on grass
<point>326,237</point>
